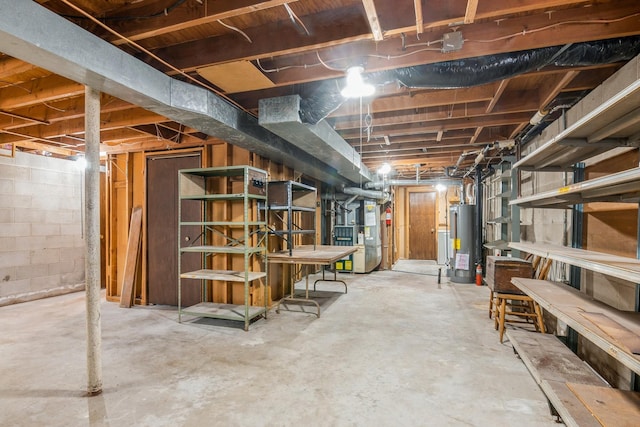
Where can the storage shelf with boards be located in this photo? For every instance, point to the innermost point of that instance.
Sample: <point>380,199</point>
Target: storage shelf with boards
<point>504,220</point>
<point>610,121</point>
<point>611,124</point>
<point>605,120</point>
<point>230,225</point>
<point>289,201</point>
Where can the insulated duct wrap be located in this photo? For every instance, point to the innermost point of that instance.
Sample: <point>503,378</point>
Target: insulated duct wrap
<point>476,71</point>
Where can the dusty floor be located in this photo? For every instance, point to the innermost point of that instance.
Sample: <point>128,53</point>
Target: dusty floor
<point>397,350</point>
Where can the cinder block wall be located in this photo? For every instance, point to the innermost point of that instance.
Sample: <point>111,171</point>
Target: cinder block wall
<point>41,244</point>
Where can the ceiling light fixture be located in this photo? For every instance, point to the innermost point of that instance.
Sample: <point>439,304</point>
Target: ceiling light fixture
<point>386,140</point>
<point>356,87</point>
<point>384,169</point>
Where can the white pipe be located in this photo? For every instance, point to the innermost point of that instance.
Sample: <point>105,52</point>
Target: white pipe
<point>411,182</point>
<point>92,242</point>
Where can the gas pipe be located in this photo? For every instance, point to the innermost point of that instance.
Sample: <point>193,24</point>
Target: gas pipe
<point>388,215</point>
<point>478,275</point>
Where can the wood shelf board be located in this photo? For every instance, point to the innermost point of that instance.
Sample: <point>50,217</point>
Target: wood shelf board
<point>612,265</point>
<point>554,153</point>
<point>497,244</point>
<point>618,187</point>
<point>307,254</point>
<point>223,275</point>
<point>222,311</point>
<point>224,249</point>
<point>223,171</point>
<point>552,365</point>
<point>235,224</point>
<point>611,407</point>
<point>569,305</point>
<point>222,197</point>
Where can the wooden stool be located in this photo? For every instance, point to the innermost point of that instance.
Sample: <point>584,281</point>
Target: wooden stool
<point>526,310</point>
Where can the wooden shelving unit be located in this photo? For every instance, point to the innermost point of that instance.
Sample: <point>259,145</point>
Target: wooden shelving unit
<point>231,194</point>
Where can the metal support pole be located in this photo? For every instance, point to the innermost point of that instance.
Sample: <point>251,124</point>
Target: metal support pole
<point>478,246</point>
<point>92,236</point>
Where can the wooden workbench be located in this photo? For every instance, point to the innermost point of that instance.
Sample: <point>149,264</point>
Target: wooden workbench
<point>308,255</point>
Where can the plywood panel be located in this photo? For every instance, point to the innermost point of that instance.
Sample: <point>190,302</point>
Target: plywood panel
<point>236,76</point>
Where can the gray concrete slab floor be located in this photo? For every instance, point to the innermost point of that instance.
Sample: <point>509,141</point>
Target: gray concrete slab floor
<point>396,350</point>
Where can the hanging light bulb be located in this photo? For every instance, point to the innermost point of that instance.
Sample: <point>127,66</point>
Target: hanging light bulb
<point>356,87</point>
<point>384,169</point>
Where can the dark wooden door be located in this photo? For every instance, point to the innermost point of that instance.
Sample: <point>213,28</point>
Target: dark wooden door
<point>422,226</point>
<point>162,231</point>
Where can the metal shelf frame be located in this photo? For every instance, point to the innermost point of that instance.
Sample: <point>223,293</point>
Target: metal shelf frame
<point>286,198</point>
<point>205,186</point>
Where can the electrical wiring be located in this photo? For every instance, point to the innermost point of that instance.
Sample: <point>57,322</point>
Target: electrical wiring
<point>524,32</point>
<point>163,12</point>
<point>295,19</point>
<point>156,57</point>
<point>326,65</point>
<point>231,27</point>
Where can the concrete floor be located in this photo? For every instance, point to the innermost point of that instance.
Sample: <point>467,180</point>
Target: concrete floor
<point>397,350</point>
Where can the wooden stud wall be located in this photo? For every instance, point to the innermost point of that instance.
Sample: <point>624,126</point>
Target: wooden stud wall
<point>126,188</point>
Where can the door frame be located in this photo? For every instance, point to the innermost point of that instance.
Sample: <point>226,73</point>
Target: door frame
<point>406,215</point>
<point>148,155</point>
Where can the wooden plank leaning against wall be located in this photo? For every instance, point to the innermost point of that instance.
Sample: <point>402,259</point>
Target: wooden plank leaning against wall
<point>126,188</point>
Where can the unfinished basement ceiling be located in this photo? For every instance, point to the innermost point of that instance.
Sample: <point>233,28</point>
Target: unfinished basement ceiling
<point>451,76</point>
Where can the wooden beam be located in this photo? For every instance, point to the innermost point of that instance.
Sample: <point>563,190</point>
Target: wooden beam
<point>356,43</point>
<point>470,13</point>
<point>501,87</point>
<point>38,91</point>
<point>374,21</point>
<point>444,112</point>
<point>417,5</point>
<point>33,145</point>
<point>436,126</point>
<point>187,16</point>
<point>338,26</point>
<point>11,66</point>
<point>557,86</point>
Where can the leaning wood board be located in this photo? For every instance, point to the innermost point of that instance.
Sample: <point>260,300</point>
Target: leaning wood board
<point>552,365</point>
<point>570,306</point>
<point>611,407</point>
<point>133,247</point>
<point>307,254</point>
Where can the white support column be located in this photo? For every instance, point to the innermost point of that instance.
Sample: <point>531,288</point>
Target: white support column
<point>92,236</point>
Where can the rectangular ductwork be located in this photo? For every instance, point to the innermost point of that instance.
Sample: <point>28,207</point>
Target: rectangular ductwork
<point>282,116</point>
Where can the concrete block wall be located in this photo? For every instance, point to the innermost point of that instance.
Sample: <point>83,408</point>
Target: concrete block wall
<point>41,243</point>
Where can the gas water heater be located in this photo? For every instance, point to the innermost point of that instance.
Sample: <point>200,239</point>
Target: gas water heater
<point>462,234</point>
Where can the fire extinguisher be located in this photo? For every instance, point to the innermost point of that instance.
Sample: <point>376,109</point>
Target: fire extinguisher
<point>388,215</point>
<point>479,275</point>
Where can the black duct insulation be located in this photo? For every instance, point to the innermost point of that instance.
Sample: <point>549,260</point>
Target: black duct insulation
<point>476,71</point>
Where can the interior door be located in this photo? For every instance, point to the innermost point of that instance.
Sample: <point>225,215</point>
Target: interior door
<point>162,231</point>
<point>422,226</point>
